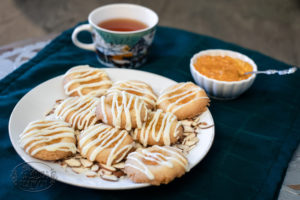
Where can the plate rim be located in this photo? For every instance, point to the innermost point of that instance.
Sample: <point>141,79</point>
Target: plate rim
<point>137,185</point>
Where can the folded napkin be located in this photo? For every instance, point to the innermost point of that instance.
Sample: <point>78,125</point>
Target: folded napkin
<point>256,134</point>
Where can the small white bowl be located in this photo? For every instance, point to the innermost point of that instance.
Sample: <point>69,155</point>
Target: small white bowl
<point>222,89</point>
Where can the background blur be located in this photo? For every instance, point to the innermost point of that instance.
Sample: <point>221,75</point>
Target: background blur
<point>269,26</point>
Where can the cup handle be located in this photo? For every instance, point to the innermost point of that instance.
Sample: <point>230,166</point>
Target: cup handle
<point>84,27</point>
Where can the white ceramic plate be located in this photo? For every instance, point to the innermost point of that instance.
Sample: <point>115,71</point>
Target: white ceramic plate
<point>40,100</point>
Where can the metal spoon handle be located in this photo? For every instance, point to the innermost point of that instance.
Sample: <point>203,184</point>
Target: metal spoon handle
<point>272,71</point>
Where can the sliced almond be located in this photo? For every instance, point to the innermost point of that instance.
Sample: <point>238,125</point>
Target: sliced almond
<point>186,122</point>
<point>191,147</point>
<point>108,168</point>
<point>195,139</point>
<point>95,168</point>
<point>120,165</point>
<point>73,162</point>
<point>185,148</point>
<point>180,146</point>
<point>90,174</point>
<point>79,170</point>
<point>103,172</point>
<point>188,129</point>
<point>109,178</point>
<point>86,163</point>
<point>190,142</point>
<point>185,152</point>
<point>195,124</point>
<point>189,137</point>
<point>187,133</point>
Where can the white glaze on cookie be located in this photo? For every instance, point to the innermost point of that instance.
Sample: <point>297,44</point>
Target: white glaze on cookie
<point>87,77</point>
<point>180,98</point>
<point>138,88</point>
<point>79,110</point>
<point>149,128</point>
<point>46,131</point>
<point>100,137</point>
<point>162,156</point>
<point>117,108</point>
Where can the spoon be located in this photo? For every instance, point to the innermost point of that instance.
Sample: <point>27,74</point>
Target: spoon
<point>272,71</point>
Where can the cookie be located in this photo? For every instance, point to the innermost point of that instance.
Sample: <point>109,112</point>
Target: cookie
<point>185,100</point>
<point>104,144</point>
<point>155,165</point>
<point>85,80</point>
<point>78,111</point>
<point>139,88</point>
<point>122,110</point>
<point>160,129</point>
<point>48,139</point>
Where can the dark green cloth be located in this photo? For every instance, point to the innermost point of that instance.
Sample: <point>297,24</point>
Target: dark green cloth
<point>256,134</point>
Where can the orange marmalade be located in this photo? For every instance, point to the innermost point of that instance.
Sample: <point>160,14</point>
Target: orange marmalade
<point>223,68</point>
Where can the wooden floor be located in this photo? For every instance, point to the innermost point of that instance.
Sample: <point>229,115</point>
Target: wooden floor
<point>271,26</point>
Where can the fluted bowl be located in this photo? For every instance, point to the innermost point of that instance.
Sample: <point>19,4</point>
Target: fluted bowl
<point>222,89</point>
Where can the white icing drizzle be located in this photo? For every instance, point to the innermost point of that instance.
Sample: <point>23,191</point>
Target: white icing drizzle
<point>80,110</point>
<point>83,74</point>
<point>101,137</point>
<point>163,156</point>
<point>181,95</point>
<point>125,106</point>
<point>149,128</point>
<point>133,87</point>
<point>45,131</point>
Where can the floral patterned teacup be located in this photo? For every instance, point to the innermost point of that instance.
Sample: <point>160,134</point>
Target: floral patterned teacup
<point>126,49</point>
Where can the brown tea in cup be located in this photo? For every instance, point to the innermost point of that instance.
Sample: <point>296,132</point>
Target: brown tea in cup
<point>122,24</point>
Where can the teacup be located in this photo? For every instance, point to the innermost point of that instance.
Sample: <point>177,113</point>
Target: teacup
<point>126,49</point>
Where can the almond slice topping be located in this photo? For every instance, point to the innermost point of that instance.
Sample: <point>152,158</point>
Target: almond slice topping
<point>119,165</point>
<point>73,162</point>
<point>108,168</point>
<point>86,163</point>
<point>109,178</point>
<point>79,170</point>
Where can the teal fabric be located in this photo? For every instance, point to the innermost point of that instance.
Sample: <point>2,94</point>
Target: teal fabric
<point>256,134</point>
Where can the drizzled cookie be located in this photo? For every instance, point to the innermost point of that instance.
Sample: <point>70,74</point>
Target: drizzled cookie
<point>78,111</point>
<point>48,139</point>
<point>155,165</point>
<point>160,129</point>
<point>139,88</point>
<point>122,110</point>
<point>85,80</point>
<point>185,100</point>
<point>104,144</point>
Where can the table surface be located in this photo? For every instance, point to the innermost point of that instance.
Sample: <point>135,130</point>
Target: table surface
<point>14,55</point>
